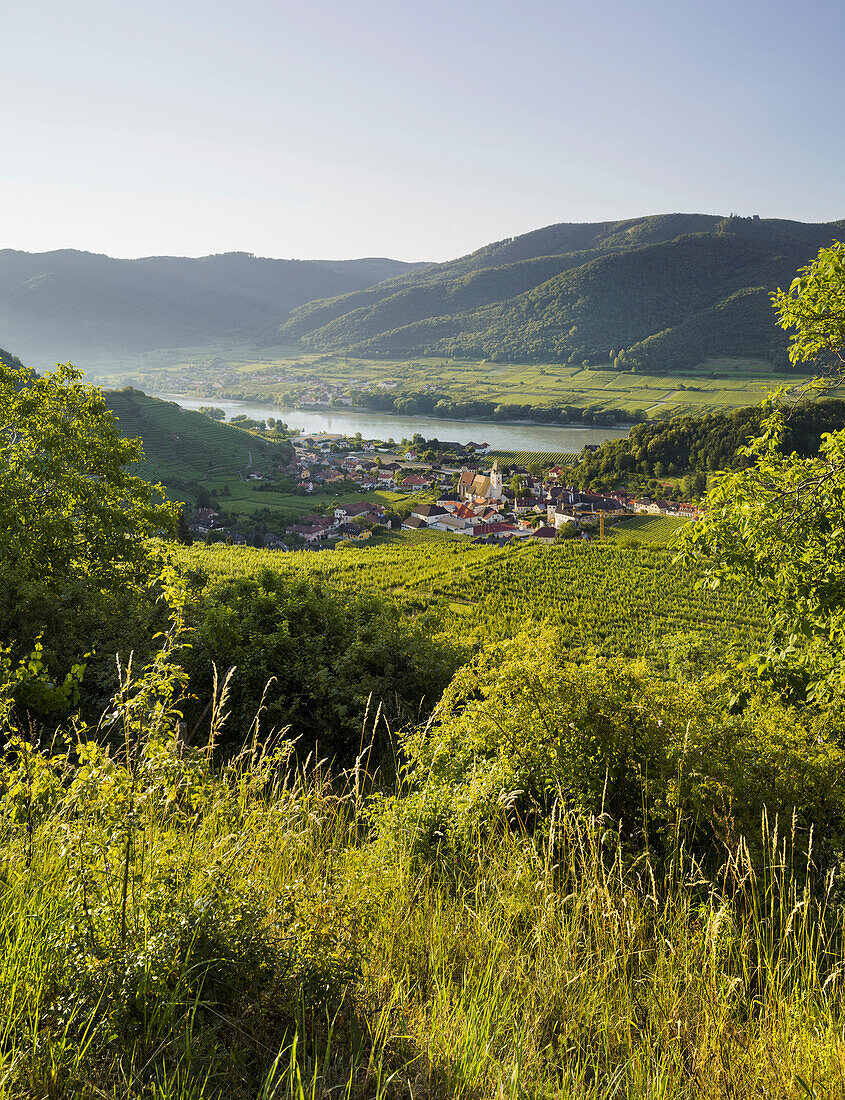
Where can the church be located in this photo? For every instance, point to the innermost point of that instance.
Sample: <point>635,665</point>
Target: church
<point>473,486</point>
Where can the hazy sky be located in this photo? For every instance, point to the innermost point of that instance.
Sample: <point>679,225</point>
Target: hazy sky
<point>419,130</point>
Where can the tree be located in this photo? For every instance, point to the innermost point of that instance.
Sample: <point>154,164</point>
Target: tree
<point>780,523</point>
<point>814,306</point>
<point>68,505</point>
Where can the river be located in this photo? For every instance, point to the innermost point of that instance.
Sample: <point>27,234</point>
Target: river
<point>385,426</point>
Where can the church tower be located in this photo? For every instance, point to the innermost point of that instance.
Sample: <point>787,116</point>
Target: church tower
<point>496,481</point>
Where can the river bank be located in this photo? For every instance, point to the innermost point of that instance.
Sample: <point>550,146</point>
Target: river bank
<point>501,435</point>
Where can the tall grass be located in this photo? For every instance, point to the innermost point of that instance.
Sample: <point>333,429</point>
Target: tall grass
<point>172,928</point>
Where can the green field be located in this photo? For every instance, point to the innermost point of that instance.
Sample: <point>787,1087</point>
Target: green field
<point>618,599</point>
<point>244,499</point>
<point>529,458</point>
<point>661,530</point>
<point>280,373</point>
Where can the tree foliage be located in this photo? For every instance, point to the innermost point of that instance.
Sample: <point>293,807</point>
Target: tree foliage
<point>814,306</point>
<point>781,521</point>
<point>68,505</point>
<point>658,293</point>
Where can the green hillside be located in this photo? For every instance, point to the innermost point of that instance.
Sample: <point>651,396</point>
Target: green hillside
<point>658,292</point>
<point>67,304</point>
<point>183,448</point>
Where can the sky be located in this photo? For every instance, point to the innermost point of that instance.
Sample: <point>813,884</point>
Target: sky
<point>417,130</point>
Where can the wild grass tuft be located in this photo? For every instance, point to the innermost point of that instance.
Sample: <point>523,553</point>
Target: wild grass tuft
<point>172,929</point>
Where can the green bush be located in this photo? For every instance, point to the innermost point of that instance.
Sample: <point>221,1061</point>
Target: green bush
<point>524,728</point>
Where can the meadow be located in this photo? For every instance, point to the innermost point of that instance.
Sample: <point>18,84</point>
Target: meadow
<point>180,926</point>
<point>244,499</point>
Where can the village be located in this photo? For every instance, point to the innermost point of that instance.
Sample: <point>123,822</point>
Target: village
<point>447,492</point>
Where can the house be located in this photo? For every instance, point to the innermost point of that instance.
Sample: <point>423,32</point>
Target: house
<point>467,515</point>
<point>506,530</point>
<point>429,512</point>
<point>450,501</point>
<point>544,535</point>
<point>413,482</point>
<point>354,531</point>
<point>307,532</point>
<point>360,508</point>
<point>317,520</point>
<point>454,524</point>
<point>556,517</point>
<point>487,514</point>
<point>413,523</point>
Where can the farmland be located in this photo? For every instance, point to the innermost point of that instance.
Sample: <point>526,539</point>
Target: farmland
<point>619,599</point>
<point>183,449</point>
<point>244,500</point>
<point>533,458</point>
<point>660,530</point>
<point>282,374</point>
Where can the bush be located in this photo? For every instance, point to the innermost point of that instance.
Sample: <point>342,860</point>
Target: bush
<point>525,727</point>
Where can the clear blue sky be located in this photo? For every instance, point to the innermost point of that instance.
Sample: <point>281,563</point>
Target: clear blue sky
<point>420,130</point>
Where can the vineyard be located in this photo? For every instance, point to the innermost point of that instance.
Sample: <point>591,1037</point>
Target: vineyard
<point>182,448</point>
<point>619,599</point>
<point>530,458</point>
<point>660,530</point>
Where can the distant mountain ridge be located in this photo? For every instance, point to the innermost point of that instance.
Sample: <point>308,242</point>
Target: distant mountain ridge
<point>665,291</point>
<point>68,305</point>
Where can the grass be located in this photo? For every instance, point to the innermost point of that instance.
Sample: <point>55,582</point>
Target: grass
<point>175,930</point>
<point>243,499</point>
<point>602,595</point>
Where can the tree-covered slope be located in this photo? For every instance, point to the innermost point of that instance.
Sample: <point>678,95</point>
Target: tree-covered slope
<point>70,304</point>
<point>665,290</point>
<point>9,361</point>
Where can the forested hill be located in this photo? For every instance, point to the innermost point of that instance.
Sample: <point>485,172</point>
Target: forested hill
<point>56,306</point>
<point>656,292</point>
<point>9,361</point>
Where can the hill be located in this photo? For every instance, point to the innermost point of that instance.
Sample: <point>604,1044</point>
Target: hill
<point>183,448</point>
<point>71,305</point>
<point>653,293</point>
<point>11,362</point>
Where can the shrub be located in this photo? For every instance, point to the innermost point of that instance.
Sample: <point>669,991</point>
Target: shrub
<point>525,727</point>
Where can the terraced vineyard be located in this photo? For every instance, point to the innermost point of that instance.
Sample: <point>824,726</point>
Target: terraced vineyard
<point>621,600</point>
<point>182,448</point>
